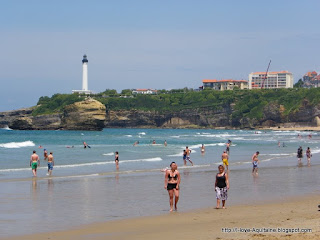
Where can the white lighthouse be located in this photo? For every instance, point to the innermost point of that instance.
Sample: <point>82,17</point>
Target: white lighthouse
<point>84,89</point>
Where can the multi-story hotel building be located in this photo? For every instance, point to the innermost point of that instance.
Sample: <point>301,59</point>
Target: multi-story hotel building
<point>282,79</point>
<point>227,84</point>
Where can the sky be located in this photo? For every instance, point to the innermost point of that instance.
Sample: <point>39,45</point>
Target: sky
<point>149,43</point>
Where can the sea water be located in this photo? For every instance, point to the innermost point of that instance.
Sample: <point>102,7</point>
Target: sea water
<point>85,186</point>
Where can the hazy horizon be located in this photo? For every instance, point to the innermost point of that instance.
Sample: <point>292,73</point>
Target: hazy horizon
<point>149,44</point>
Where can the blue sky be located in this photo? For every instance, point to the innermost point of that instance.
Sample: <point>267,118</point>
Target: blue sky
<point>149,44</point>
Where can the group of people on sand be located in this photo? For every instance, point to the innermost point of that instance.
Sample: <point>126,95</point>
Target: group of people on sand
<point>35,162</point>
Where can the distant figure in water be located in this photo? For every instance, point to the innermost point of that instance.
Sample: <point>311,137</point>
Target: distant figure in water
<point>136,143</point>
<point>278,143</point>
<point>45,154</point>
<point>202,149</point>
<point>171,183</point>
<point>225,158</point>
<point>116,159</point>
<point>154,142</point>
<point>309,155</point>
<point>221,187</point>
<point>184,157</point>
<point>40,146</point>
<point>34,163</point>
<point>310,136</point>
<point>50,164</point>
<point>299,136</point>
<point>85,145</point>
<point>300,154</point>
<point>255,162</point>
<point>283,144</point>
<point>165,143</point>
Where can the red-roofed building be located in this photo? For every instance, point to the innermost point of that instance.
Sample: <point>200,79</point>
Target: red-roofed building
<point>225,84</point>
<point>281,79</point>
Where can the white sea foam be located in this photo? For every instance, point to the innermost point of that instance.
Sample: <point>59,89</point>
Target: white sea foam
<point>175,136</point>
<point>17,144</point>
<point>108,154</point>
<point>142,133</point>
<point>128,135</point>
<point>6,128</point>
<point>175,155</point>
<point>205,145</point>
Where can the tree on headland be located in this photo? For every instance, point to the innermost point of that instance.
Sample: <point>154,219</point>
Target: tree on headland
<point>298,84</point>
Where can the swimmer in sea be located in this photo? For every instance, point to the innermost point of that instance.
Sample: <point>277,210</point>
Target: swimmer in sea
<point>85,145</point>
<point>116,159</point>
<point>50,164</point>
<point>255,162</point>
<point>34,163</point>
<point>172,184</point>
<point>154,142</point>
<point>225,159</point>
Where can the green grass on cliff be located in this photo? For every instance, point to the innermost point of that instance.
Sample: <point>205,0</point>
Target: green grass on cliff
<point>247,103</point>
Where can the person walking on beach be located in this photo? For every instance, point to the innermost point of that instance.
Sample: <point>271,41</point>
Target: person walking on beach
<point>50,164</point>
<point>221,187</point>
<point>116,159</point>
<point>300,154</point>
<point>188,151</point>
<point>184,157</point>
<point>225,160</point>
<point>34,163</point>
<point>309,155</point>
<point>45,154</point>
<point>172,184</point>
<point>255,162</point>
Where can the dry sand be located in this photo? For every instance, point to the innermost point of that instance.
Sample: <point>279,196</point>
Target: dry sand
<point>300,213</point>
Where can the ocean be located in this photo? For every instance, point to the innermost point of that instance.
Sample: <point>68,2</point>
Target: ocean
<point>86,188</point>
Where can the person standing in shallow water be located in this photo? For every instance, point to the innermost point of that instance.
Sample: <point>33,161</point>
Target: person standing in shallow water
<point>309,155</point>
<point>172,181</point>
<point>300,154</point>
<point>50,164</point>
<point>34,163</point>
<point>116,159</point>
<point>221,187</point>
<point>255,162</point>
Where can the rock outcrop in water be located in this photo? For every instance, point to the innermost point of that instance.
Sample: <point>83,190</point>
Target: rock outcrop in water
<point>92,115</point>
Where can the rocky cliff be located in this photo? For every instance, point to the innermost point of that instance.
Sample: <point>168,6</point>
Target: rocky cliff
<point>92,115</point>
<point>86,115</point>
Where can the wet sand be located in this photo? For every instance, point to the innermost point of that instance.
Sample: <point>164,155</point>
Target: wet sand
<point>300,213</point>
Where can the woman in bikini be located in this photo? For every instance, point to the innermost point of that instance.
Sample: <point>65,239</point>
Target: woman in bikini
<point>221,186</point>
<point>171,183</point>
<point>116,159</point>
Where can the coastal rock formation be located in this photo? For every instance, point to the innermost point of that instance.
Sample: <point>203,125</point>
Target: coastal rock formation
<point>85,115</point>
<point>92,115</point>
<point>21,123</point>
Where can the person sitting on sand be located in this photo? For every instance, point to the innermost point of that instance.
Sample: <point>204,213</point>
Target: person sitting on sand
<point>171,183</point>
<point>221,187</point>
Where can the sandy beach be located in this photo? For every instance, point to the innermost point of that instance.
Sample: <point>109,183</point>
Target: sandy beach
<point>300,215</point>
